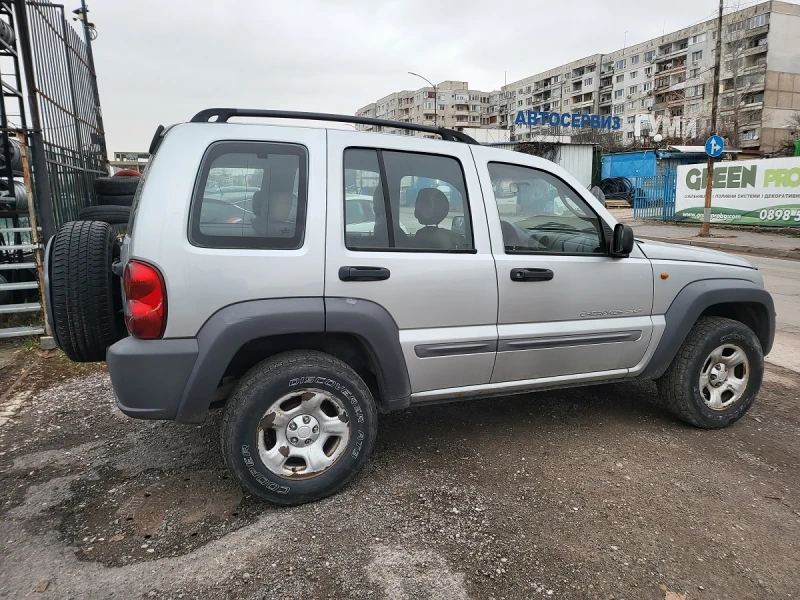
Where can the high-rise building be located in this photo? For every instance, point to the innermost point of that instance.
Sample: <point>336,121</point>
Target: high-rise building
<point>664,83</point>
<point>453,103</point>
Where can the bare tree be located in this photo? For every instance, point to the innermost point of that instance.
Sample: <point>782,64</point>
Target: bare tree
<point>787,146</point>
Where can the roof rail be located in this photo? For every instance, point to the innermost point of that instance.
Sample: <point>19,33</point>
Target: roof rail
<point>223,114</point>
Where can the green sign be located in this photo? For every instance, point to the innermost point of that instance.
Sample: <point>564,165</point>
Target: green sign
<point>748,192</point>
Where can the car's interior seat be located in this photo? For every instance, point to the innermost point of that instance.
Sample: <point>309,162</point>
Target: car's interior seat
<point>272,214</point>
<point>431,209</point>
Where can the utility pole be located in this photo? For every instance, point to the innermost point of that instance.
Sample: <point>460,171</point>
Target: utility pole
<point>88,35</point>
<point>435,93</point>
<point>714,102</point>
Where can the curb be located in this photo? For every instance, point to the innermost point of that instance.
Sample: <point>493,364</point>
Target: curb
<point>757,250</point>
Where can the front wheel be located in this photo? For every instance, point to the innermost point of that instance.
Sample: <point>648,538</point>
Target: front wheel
<point>298,427</point>
<point>716,374</point>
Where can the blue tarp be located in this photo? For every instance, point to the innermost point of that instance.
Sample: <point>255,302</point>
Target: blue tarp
<point>629,164</point>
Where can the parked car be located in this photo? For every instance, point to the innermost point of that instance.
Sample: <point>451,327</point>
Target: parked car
<point>344,305</point>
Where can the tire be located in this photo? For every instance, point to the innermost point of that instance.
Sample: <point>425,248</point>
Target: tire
<point>82,295</point>
<point>116,186</point>
<point>108,214</point>
<point>688,387</point>
<point>285,380</point>
<point>14,152</point>
<point>114,200</point>
<point>17,198</point>
<point>7,33</point>
<point>127,173</point>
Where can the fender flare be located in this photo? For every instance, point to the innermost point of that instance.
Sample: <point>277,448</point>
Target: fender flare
<point>689,304</point>
<point>230,328</point>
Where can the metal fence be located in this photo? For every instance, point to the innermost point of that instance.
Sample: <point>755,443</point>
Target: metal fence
<point>654,197</point>
<point>71,122</point>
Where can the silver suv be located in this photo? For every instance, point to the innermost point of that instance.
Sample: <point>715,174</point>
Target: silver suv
<point>309,278</point>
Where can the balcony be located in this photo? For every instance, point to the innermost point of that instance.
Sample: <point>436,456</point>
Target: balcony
<point>749,106</point>
<point>670,70</point>
<point>671,54</point>
<point>678,85</point>
<point>757,32</point>
<point>754,50</point>
<point>754,68</point>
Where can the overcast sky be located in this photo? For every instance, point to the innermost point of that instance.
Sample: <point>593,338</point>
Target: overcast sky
<point>160,61</point>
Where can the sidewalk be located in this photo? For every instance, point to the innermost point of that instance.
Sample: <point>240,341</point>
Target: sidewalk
<point>728,240</point>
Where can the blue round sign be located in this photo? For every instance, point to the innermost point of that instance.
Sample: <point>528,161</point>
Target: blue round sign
<point>714,146</point>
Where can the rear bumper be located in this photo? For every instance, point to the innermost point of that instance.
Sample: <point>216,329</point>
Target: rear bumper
<point>150,376</point>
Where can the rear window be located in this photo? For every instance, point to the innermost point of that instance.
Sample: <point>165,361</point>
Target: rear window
<point>251,195</point>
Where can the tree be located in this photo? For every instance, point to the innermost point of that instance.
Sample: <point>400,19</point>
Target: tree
<point>787,146</point>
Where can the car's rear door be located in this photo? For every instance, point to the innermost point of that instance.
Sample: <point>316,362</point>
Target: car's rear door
<point>426,257</point>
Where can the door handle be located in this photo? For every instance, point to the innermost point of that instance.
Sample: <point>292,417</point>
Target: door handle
<point>531,274</point>
<point>363,273</point>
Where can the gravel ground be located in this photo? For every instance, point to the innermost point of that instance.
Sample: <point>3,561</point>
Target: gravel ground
<point>585,493</point>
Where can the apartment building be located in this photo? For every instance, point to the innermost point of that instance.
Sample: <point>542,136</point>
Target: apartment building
<point>452,103</point>
<point>661,85</point>
<point>666,83</point>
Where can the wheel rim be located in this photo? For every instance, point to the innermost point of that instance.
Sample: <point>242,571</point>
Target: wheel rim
<point>303,434</point>
<point>724,376</point>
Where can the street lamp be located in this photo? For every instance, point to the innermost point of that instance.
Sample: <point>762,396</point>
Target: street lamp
<point>435,93</point>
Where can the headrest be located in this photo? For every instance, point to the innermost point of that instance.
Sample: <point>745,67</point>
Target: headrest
<point>258,201</point>
<point>432,206</point>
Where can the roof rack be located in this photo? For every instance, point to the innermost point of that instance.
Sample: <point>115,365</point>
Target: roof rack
<point>223,114</point>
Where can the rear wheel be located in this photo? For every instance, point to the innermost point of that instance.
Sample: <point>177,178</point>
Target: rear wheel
<point>85,305</point>
<point>716,375</point>
<point>298,427</point>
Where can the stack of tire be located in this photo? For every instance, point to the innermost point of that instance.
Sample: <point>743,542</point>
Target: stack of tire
<point>16,198</point>
<point>114,199</point>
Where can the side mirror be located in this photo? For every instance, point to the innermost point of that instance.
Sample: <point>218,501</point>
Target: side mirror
<point>622,242</point>
<point>458,225</point>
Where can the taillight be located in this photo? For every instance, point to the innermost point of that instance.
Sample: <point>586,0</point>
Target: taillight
<point>145,301</point>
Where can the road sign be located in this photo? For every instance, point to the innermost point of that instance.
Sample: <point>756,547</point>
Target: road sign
<point>714,146</point>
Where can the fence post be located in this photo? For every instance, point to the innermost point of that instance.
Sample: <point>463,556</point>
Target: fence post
<point>37,251</point>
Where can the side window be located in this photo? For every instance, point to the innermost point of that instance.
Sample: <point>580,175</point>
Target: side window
<point>250,195</point>
<point>405,201</point>
<point>540,213</point>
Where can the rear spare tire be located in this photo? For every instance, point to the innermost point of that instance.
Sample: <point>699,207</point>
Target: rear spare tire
<point>108,214</point>
<point>116,186</point>
<point>86,318</point>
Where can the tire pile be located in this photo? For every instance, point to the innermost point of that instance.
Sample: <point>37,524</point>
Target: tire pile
<point>618,188</point>
<point>85,295</point>
<point>16,198</point>
<point>114,199</point>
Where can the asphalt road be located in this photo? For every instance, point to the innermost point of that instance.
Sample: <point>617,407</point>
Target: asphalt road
<point>782,280</point>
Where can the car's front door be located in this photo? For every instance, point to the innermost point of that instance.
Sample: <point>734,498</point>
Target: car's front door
<point>566,308</point>
<point>407,230</point>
